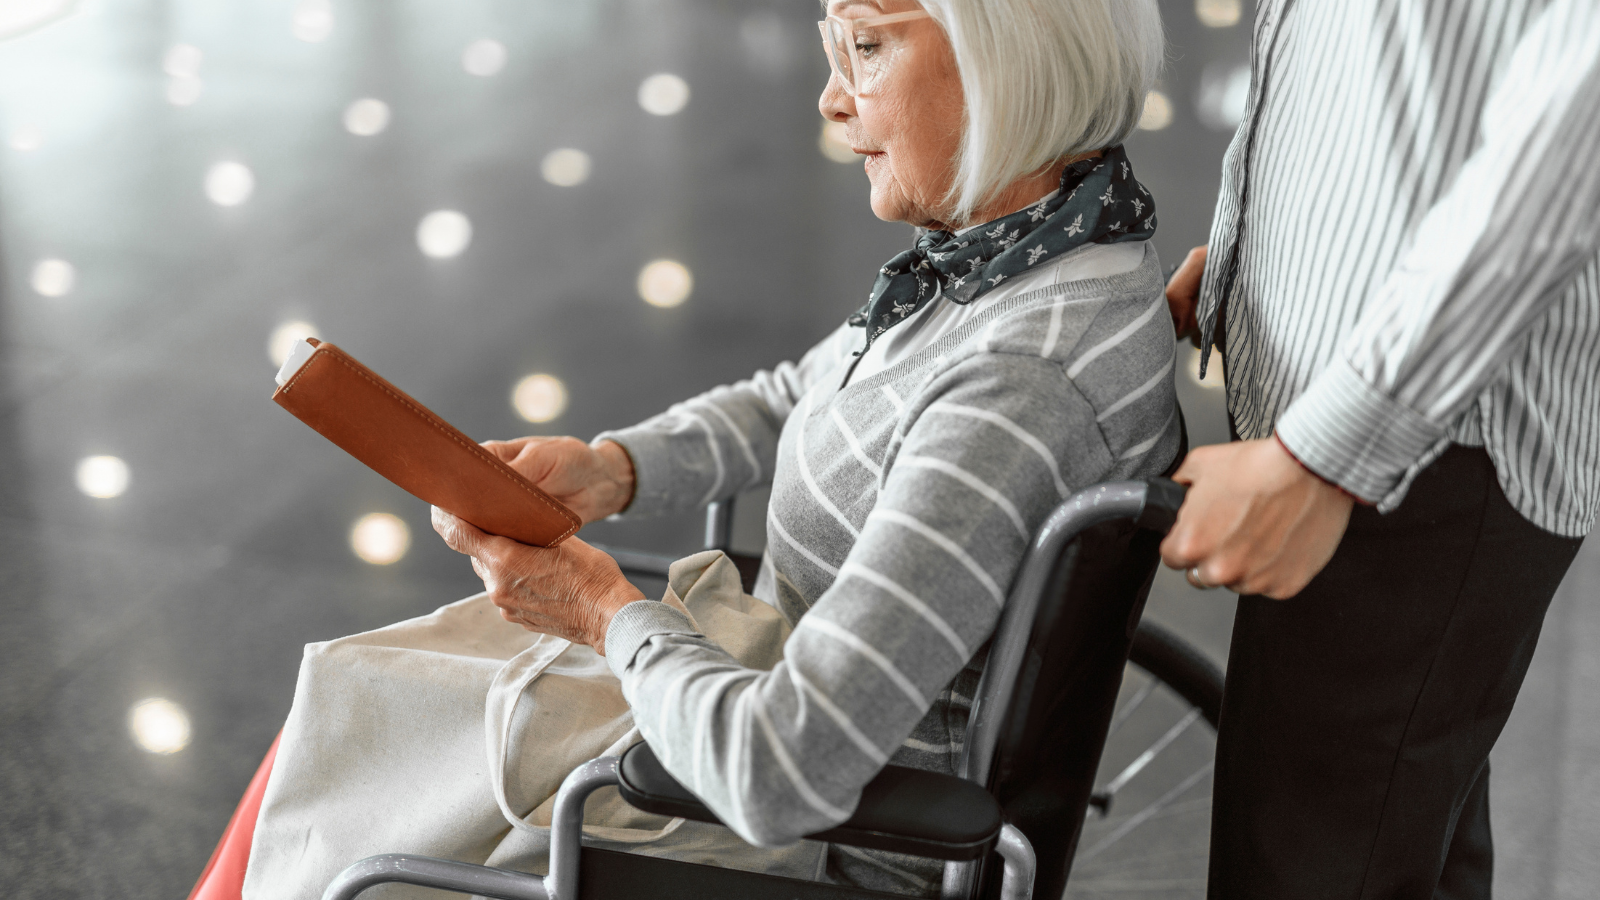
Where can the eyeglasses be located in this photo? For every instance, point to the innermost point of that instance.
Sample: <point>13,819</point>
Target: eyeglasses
<point>845,52</point>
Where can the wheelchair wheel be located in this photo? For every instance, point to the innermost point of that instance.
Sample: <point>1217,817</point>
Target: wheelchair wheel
<point>1147,831</point>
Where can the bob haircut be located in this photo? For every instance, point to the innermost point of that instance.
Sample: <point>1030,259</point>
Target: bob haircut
<point>1044,79</point>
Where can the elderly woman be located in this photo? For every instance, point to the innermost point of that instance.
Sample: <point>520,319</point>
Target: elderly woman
<point>1017,352</point>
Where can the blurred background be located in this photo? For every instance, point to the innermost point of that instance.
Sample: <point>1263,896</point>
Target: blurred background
<point>536,216</point>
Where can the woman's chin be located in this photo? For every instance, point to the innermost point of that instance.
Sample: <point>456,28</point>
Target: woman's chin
<point>888,201</point>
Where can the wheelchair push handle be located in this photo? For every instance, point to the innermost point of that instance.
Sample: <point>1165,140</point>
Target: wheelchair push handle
<point>1163,497</point>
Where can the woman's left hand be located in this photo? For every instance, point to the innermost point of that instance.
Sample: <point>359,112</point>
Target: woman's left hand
<point>571,590</point>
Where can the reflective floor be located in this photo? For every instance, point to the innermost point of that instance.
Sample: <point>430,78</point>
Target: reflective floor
<point>466,195</point>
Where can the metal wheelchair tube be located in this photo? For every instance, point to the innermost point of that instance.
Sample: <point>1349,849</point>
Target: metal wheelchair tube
<point>566,824</point>
<point>719,525</point>
<point>445,874</point>
<point>1016,882</point>
<point>566,841</point>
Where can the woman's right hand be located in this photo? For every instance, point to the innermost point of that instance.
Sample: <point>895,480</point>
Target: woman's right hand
<point>593,481</point>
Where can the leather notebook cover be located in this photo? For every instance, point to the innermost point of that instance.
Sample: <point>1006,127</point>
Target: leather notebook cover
<point>397,437</point>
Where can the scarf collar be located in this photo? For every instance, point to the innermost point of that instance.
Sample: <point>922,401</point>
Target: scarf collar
<point>1099,202</point>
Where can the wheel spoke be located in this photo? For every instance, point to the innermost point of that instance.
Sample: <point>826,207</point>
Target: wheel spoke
<point>1132,705</point>
<point>1145,758</point>
<point>1140,817</point>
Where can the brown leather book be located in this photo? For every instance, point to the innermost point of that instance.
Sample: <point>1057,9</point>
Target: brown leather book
<point>403,441</point>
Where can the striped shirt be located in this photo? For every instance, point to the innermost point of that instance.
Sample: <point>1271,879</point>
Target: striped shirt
<point>1408,244</point>
<point>901,506</point>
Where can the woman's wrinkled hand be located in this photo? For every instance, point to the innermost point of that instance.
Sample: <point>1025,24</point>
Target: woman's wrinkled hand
<point>593,481</point>
<point>571,590</point>
<point>1183,294</point>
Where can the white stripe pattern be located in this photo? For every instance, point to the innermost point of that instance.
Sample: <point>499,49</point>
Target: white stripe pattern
<point>744,444</point>
<point>839,716</point>
<point>866,650</point>
<point>792,771</point>
<point>1428,171</point>
<point>1017,431</point>
<point>1111,343</point>
<point>1136,393</point>
<point>716,456</point>
<point>855,445</point>
<point>778,529</point>
<point>804,469</point>
<point>1143,447</point>
<point>911,600</point>
<point>945,544</point>
<point>971,481</point>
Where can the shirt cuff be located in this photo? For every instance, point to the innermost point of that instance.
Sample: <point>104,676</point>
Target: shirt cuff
<point>1350,434</point>
<point>652,470</point>
<point>636,623</point>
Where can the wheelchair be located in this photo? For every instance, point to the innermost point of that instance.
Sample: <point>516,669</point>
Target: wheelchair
<point>1011,823</point>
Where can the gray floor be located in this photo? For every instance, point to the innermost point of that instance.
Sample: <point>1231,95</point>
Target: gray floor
<point>228,551</point>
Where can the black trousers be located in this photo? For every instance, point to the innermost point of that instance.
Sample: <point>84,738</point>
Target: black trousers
<point>1352,754</point>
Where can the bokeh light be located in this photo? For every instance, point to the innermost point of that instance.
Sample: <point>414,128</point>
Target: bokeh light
<point>366,117</point>
<point>312,20</point>
<point>102,477</point>
<point>380,539</point>
<point>663,94</point>
<point>183,90</point>
<point>539,397</point>
<point>1224,94</point>
<point>25,138</point>
<point>21,16</point>
<point>835,143</point>
<point>53,278</point>
<point>1157,112</point>
<point>484,58</point>
<point>565,167</point>
<point>1218,13</point>
<point>1213,377</point>
<point>159,725</point>
<point>444,233</point>
<point>665,283</point>
<point>766,41</point>
<point>183,61</point>
<point>229,183</point>
<point>285,336</point>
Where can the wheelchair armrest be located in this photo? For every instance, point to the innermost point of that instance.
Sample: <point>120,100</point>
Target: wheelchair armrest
<point>902,810</point>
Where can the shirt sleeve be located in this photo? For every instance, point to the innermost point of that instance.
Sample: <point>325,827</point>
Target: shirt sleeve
<point>1489,260</point>
<point>991,446</point>
<point>724,441</point>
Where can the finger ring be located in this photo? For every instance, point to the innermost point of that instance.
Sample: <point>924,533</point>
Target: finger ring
<point>1193,577</point>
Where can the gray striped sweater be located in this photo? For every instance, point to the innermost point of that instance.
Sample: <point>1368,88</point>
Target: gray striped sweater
<point>901,507</point>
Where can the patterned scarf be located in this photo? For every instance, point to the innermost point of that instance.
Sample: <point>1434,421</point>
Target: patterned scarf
<point>1099,202</point>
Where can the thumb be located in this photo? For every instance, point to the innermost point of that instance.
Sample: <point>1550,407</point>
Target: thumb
<point>459,534</point>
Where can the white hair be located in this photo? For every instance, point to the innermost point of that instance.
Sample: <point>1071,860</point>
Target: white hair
<point>1044,79</point>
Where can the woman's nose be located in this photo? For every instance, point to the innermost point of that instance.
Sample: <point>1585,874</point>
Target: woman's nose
<point>836,104</point>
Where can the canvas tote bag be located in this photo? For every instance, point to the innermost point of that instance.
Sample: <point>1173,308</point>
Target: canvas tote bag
<point>448,735</point>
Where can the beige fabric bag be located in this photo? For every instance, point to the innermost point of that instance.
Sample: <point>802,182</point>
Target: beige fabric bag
<point>448,735</point>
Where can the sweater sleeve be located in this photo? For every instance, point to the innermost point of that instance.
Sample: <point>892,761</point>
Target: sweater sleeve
<point>984,452</point>
<point>724,441</point>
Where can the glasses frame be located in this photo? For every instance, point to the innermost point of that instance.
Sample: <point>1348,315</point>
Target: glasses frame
<point>850,26</point>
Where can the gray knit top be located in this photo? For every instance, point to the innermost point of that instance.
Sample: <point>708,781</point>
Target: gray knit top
<point>901,507</point>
